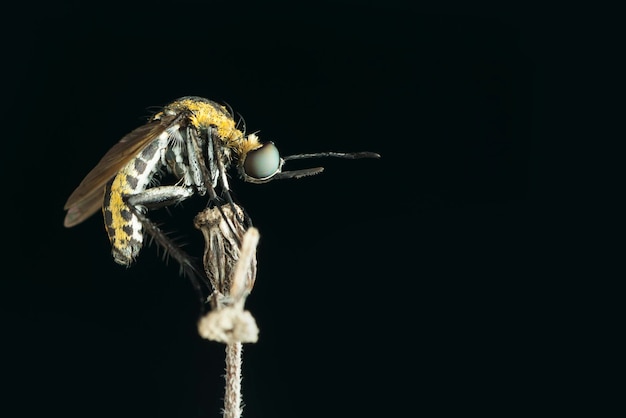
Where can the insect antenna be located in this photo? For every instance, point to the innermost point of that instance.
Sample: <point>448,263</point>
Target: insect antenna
<point>347,155</point>
<point>316,170</point>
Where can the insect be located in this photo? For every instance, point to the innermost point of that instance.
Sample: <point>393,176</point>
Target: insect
<point>196,141</point>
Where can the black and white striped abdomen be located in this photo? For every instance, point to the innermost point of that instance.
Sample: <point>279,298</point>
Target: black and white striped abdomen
<point>123,227</point>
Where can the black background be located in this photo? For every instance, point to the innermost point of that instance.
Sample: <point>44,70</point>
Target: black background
<point>385,287</point>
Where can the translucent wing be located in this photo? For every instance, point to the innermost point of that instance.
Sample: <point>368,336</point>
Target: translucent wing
<point>88,196</point>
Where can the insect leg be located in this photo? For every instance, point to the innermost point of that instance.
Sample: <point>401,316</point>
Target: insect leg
<point>161,196</point>
<point>216,160</point>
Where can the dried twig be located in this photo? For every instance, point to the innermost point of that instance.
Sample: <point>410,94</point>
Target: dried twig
<point>230,263</point>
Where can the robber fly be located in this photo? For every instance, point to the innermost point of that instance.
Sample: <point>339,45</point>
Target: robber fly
<point>194,139</point>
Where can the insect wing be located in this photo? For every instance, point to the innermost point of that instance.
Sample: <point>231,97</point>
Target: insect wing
<point>84,209</point>
<point>88,196</point>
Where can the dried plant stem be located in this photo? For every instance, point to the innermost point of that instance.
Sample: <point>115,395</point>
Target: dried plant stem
<point>232,394</point>
<point>230,264</point>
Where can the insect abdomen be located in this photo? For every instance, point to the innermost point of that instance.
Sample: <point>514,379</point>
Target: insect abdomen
<point>123,227</point>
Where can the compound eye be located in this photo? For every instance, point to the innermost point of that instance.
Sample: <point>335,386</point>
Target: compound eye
<point>262,162</point>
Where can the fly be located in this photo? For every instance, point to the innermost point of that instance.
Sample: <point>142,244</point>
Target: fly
<point>195,140</point>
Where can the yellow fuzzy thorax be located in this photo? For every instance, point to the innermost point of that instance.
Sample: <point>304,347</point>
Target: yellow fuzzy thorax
<point>205,114</point>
